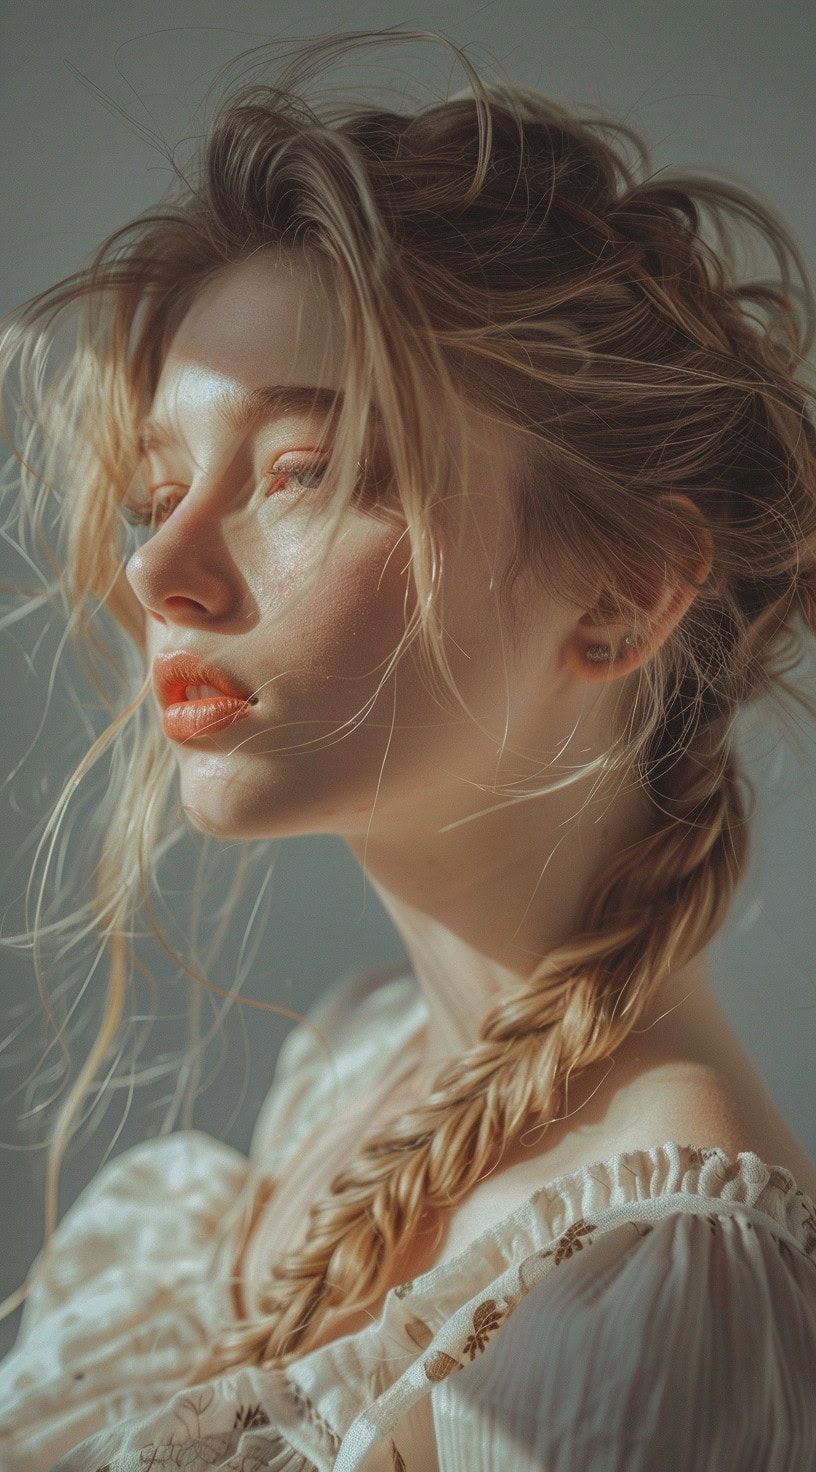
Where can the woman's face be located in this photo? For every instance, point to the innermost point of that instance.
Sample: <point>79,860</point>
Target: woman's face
<point>215,572</point>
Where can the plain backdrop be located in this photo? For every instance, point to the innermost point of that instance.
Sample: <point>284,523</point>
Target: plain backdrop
<point>725,85</point>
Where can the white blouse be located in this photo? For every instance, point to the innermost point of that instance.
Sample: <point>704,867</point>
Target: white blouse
<point>652,1311</point>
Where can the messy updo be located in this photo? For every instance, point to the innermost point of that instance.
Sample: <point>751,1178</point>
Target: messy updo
<point>502,251</point>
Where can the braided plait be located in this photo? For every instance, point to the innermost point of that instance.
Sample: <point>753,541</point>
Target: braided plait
<point>666,893</point>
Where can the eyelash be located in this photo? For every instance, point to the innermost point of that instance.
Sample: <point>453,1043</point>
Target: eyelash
<point>143,514</point>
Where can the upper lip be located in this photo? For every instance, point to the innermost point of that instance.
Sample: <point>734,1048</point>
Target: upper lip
<point>173,672</point>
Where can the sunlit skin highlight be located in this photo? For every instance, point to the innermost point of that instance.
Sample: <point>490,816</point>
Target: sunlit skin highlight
<point>477,904</point>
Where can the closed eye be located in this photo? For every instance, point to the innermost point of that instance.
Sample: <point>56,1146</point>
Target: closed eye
<point>306,475</point>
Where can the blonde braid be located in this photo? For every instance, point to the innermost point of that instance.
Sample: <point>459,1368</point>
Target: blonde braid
<point>655,906</point>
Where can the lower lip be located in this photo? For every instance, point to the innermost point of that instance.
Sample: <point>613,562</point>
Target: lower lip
<point>202,717</point>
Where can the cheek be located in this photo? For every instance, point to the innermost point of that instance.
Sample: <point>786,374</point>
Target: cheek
<point>353,616</point>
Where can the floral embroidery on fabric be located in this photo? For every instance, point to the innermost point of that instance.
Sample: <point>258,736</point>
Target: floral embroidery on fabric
<point>399,1464</point>
<point>781,1180</point>
<point>731,1169</point>
<point>196,1452</point>
<point>438,1366</point>
<point>569,1241</point>
<point>311,1414</point>
<point>201,1451</point>
<point>207,1450</point>
<point>248,1416</point>
<point>419,1332</point>
<point>698,1156</point>
<point>486,1319</point>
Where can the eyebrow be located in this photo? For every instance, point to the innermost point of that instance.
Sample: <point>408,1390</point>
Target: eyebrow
<point>251,407</point>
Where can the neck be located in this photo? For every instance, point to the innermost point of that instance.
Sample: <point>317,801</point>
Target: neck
<point>477,907</point>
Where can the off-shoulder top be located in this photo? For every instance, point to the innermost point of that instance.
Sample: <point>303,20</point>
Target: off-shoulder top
<point>653,1310</point>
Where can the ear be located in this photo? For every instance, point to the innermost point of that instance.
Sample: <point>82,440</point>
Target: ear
<point>671,602</point>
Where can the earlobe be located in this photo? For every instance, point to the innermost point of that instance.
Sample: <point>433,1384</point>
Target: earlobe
<point>595,661</point>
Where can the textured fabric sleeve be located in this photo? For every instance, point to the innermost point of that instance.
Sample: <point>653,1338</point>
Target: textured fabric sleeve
<point>687,1344</point>
<point>122,1307</point>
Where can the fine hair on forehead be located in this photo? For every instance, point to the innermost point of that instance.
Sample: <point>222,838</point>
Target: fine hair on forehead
<point>496,257</point>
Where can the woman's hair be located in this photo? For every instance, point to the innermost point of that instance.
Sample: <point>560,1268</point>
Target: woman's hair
<point>497,252</point>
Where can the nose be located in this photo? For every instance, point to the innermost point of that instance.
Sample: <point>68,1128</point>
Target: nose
<point>185,574</point>
<point>186,591</point>
<point>179,608</point>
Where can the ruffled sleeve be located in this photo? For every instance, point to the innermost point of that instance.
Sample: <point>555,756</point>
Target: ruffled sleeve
<point>123,1304</point>
<point>133,1287</point>
<point>687,1343</point>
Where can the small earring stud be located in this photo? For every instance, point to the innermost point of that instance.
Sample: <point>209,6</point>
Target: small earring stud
<point>600,653</point>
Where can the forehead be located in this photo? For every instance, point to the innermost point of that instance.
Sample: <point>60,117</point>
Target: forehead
<point>269,320</point>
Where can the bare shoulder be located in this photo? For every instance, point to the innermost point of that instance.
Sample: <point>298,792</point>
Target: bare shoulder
<point>723,1105</point>
<point>701,1104</point>
<point>691,1081</point>
<point>684,1100</point>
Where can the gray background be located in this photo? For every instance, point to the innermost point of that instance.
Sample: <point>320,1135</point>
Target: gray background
<point>726,85</point>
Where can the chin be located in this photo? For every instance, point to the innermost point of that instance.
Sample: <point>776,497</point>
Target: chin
<point>246,827</point>
<point>198,820</point>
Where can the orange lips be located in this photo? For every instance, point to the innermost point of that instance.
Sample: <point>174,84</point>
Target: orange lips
<point>190,718</point>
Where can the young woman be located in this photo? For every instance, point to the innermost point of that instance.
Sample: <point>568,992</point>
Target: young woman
<point>474,497</point>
